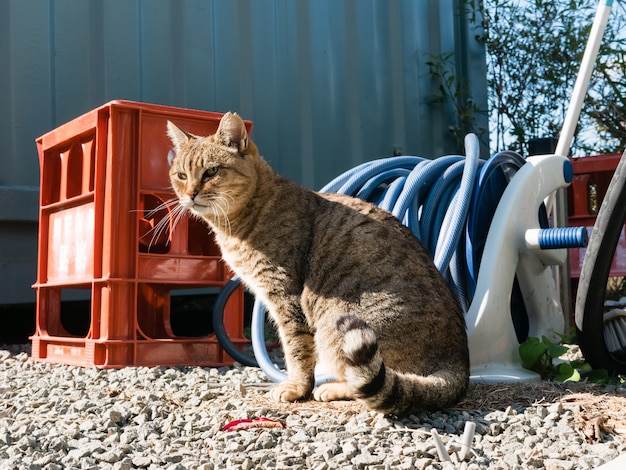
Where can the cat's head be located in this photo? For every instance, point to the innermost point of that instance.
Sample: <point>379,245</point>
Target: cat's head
<point>214,176</point>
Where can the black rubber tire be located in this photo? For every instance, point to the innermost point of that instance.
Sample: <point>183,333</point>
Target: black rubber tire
<point>595,273</point>
<point>220,331</point>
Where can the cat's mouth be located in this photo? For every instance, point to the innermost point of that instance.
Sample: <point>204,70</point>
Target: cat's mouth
<point>203,210</point>
<point>189,203</point>
<point>193,206</point>
<point>211,209</point>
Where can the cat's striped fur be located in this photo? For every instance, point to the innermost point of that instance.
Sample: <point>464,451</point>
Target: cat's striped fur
<point>346,283</point>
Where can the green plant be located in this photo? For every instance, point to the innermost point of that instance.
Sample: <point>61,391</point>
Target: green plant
<point>453,89</point>
<point>534,49</point>
<point>539,355</point>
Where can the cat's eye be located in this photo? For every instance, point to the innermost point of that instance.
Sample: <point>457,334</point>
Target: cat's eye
<point>181,175</point>
<point>210,173</point>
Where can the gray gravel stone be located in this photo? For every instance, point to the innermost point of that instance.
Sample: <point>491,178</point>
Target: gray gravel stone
<point>55,416</point>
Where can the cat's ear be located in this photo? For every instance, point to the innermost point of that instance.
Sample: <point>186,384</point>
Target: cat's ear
<point>232,132</point>
<point>178,136</point>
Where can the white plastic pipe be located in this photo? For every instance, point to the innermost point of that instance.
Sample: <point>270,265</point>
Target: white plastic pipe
<point>440,446</point>
<point>467,439</point>
<point>584,75</point>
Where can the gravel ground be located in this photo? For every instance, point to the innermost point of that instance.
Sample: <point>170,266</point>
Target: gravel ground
<point>60,417</point>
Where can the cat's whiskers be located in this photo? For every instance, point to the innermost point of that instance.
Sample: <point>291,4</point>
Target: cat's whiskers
<point>164,206</point>
<point>150,213</point>
<point>220,203</point>
<point>177,215</point>
<point>161,227</point>
<point>158,229</point>
<point>168,223</point>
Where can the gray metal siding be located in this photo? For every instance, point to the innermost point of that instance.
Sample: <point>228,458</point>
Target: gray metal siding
<point>328,83</point>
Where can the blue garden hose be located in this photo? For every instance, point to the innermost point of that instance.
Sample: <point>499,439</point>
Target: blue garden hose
<point>448,203</point>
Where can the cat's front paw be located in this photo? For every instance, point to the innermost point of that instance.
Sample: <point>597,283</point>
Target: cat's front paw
<point>332,391</point>
<point>288,391</point>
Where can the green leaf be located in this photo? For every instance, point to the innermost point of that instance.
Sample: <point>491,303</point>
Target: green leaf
<point>556,350</point>
<point>531,351</point>
<point>567,374</point>
<point>582,365</point>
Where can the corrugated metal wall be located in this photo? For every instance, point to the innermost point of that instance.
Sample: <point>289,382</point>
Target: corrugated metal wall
<point>328,83</point>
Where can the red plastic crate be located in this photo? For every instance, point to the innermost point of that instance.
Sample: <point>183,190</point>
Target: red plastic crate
<point>104,177</point>
<point>592,176</point>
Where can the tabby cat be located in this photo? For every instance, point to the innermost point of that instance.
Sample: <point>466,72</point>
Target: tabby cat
<point>345,282</point>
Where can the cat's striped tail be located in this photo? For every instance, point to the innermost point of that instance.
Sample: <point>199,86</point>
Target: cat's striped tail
<point>384,389</point>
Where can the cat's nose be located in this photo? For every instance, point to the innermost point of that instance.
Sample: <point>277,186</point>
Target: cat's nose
<point>192,193</point>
